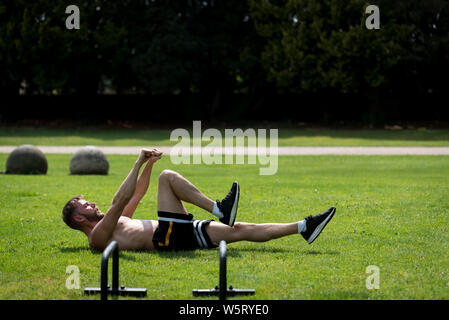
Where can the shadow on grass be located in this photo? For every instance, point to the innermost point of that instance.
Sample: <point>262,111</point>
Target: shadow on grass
<point>316,252</point>
<point>231,252</point>
<point>236,251</point>
<point>122,255</point>
<point>176,254</point>
<point>77,249</point>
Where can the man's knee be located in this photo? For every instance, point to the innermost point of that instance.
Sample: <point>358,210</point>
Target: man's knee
<point>167,176</point>
<point>238,226</point>
<point>235,233</point>
<point>250,232</point>
<point>242,228</point>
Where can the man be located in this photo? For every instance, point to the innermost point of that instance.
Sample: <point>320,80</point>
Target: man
<point>175,228</point>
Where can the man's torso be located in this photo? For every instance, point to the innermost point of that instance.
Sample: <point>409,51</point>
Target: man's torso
<point>134,234</point>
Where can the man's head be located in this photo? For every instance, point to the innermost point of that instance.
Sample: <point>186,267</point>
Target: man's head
<point>78,212</point>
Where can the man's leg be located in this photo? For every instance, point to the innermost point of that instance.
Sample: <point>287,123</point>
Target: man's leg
<point>174,188</point>
<point>243,231</point>
<point>310,228</point>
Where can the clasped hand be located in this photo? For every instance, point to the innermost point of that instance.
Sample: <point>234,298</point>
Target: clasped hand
<point>150,155</point>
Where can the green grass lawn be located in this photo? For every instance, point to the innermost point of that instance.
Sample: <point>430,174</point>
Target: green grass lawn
<point>287,137</point>
<point>392,212</point>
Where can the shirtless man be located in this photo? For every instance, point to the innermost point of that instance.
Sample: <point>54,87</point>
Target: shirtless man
<point>175,228</point>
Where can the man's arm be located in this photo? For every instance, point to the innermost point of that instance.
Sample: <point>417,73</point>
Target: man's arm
<point>142,185</point>
<point>141,188</point>
<point>102,232</point>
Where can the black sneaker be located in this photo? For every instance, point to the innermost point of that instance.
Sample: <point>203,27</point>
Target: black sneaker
<point>315,224</point>
<point>228,206</point>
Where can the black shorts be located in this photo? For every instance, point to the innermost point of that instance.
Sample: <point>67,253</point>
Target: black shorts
<point>177,231</point>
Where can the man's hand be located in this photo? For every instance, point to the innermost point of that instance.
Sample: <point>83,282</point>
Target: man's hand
<point>156,155</point>
<point>149,155</point>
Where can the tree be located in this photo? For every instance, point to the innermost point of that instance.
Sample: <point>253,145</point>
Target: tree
<point>36,47</point>
<point>203,47</point>
<point>318,45</point>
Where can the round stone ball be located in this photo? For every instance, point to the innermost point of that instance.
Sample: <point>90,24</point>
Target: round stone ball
<point>26,159</point>
<point>89,160</point>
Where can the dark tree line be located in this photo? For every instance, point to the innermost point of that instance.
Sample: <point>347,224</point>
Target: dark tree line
<point>243,55</point>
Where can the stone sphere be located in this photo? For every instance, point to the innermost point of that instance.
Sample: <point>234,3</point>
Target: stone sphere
<point>89,160</point>
<point>26,159</point>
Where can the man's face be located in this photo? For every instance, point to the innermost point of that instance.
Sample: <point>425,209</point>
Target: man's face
<point>89,210</point>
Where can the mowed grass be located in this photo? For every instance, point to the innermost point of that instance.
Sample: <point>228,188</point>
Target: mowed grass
<point>392,212</point>
<point>286,137</point>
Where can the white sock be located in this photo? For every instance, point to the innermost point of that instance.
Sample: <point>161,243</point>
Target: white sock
<point>302,226</point>
<point>216,211</point>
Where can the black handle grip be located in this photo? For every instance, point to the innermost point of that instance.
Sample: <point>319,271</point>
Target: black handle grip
<point>111,248</point>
